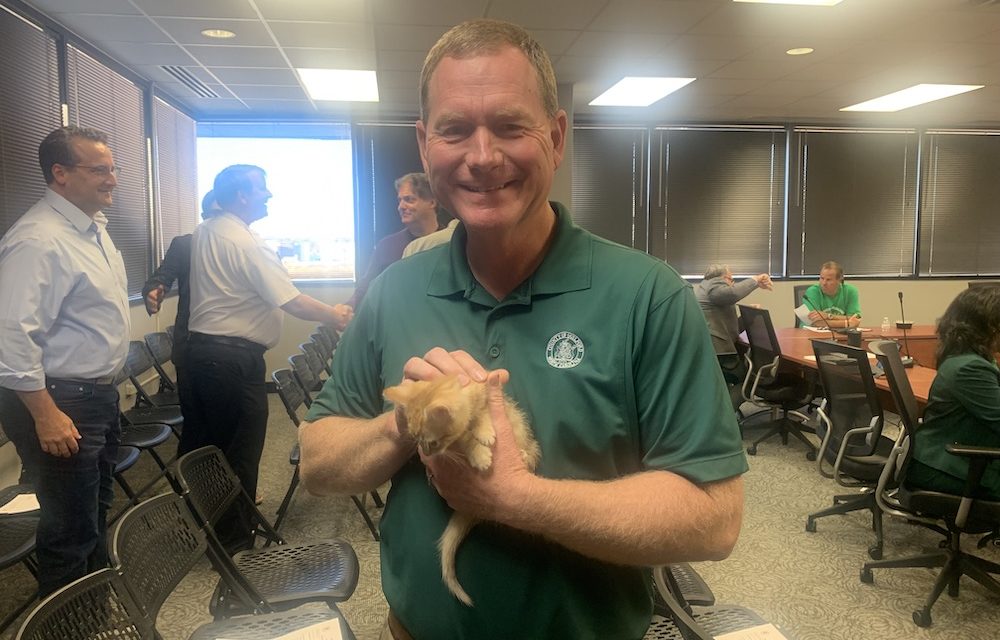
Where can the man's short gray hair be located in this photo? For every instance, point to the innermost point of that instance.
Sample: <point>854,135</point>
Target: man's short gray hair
<point>716,270</point>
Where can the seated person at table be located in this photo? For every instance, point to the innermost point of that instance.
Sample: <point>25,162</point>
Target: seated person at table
<point>717,296</point>
<point>964,402</point>
<point>832,299</point>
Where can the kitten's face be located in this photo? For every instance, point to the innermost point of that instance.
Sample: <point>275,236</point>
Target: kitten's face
<point>438,412</point>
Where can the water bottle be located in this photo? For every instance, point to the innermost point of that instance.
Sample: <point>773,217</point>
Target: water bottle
<point>885,325</point>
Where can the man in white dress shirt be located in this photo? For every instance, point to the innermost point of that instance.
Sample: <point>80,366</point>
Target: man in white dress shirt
<point>239,290</point>
<point>64,335</point>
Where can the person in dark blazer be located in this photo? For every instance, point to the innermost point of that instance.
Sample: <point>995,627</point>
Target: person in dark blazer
<point>717,295</point>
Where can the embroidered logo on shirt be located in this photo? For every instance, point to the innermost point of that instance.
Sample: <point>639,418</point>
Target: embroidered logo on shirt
<point>564,351</point>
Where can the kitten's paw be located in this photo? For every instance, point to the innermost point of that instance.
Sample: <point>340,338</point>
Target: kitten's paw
<point>485,436</point>
<point>481,458</point>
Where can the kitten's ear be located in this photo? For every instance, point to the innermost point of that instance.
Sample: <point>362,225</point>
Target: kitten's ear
<point>400,394</point>
<point>438,413</point>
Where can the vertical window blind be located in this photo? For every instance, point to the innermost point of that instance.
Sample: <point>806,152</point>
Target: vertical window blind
<point>178,203</point>
<point>101,98</point>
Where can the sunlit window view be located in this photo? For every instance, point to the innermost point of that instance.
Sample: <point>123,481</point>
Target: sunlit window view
<point>310,222</point>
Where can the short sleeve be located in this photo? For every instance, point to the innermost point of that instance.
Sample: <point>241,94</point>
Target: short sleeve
<point>269,277</point>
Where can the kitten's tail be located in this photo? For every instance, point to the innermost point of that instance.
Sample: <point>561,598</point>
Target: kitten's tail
<point>458,527</point>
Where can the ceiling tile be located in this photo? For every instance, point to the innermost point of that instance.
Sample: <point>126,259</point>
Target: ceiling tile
<point>276,77</point>
<point>438,13</point>
<point>223,56</point>
<point>555,43</point>
<point>107,7</point>
<point>137,53</point>
<point>342,35</point>
<point>119,29</point>
<point>557,14</point>
<point>606,43</point>
<point>198,8</point>
<point>650,16</point>
<point>766,70</point>
<point>188,31</point>
<point>261,92</point>
<point>338,11</point>
<point>401,60</point>
<point>407,37</point>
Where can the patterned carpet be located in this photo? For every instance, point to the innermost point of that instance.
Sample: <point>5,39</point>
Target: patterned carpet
<point>807,583</point>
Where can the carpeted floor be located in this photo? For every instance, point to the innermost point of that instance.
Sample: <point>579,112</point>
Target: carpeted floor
<point>805,582</point>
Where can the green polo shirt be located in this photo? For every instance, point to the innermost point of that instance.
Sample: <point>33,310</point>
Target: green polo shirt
<point>610,359</point>
<point>845,302</point>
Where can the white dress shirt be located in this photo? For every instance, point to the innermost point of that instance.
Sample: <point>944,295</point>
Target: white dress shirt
<point>238,284</point>
<point>63,297</point>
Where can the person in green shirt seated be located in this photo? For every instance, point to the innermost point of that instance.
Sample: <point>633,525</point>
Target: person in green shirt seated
<point>832,299</point>
<point>964,402</point>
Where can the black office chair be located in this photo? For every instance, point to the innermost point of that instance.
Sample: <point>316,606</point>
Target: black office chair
<point>949,514</point>
<point>282,575</point>
<point>799,294</point>
<point>853,444</point>
<point>17,544</point>
<point>293,397</point>
<point>766,386</point>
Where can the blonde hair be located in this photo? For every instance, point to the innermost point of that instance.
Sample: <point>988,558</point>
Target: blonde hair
<point>477,37</point>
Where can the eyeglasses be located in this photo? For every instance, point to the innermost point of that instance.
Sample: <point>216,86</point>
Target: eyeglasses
<point>100,170</point>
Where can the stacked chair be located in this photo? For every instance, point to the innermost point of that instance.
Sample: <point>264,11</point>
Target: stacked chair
<point>295,398</point>
<point>17,539</point>
<point>154,546</point>
<point>853,445</point>
<point>767,387</point>
<point>951,515</point>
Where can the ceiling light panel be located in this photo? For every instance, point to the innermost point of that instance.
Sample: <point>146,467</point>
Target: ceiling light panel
<point>633,91</point>
<point>912,96</point>
<point>345,85</point>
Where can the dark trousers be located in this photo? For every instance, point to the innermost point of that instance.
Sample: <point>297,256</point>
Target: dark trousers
<point>74,493</point>
<point>229,410</point>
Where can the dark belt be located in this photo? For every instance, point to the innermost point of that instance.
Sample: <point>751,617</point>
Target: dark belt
<point>229,341</point>
<point>103,381</point>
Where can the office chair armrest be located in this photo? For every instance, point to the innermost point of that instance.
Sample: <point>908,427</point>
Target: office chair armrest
<point>979,458</point>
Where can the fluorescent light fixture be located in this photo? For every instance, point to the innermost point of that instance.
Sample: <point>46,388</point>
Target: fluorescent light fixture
<point>218,33</point>
<point>633,91</point>
<point>912,96</point>
<point>800,51</point>
<point>816,3</point>
<point>346,85</point>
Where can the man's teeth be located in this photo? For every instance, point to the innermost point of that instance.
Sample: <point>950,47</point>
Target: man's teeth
<point>487,189</point>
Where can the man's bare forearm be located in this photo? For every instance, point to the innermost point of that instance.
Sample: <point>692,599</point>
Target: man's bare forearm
<point>349,456</point>
<point>650,518</point>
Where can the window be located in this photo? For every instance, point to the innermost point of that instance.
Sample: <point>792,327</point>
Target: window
<point>103,99</point>
<point>29,110</point>
<point>960,228</point>
<point>853,200</point>
<point>310,220</point>
<point>719,197</point>
<point>609,183</point>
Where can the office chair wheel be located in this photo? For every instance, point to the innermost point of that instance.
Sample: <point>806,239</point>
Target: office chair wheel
<point>752,450</point>
<point>811,525</point>
<point>875,552</point>
<point>922,618</point>
<point>866,575</point>
<point>811,456</point>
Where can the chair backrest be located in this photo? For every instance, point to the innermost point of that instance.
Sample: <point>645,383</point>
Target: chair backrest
<point>139,359</point>
<point>154,545</point>
<point>976,284</point>
<point>208,483</point>
<point>291,394</point>
<point>159,344</point>
<point>314,356</point>
<point>799,295</point>
<point>170,333</point>
<point>331,335</point>
<point>764,347</point>
<point>97,605</point>
<point>323,345</point>
<point>851,397</point>
<point>902,395</point>
<point>304,374</point>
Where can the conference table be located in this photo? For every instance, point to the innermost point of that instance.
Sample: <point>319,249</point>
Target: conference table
<point>796,348</point>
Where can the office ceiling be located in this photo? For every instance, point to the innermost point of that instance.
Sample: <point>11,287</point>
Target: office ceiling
<point>863,49</point>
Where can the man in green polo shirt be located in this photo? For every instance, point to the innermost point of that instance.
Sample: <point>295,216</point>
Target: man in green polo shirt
<point>603,347</point>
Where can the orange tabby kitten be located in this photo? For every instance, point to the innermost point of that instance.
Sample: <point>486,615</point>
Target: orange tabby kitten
<point>448,419</point>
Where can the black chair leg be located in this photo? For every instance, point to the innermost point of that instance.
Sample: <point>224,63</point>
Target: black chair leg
<point>279,516</point>
<point>377,499</point>
<point>364,514</point>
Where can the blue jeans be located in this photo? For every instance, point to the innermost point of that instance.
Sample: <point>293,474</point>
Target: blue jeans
<point>74,493</point>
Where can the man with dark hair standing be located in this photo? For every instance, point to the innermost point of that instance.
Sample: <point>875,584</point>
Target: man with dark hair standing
<point>64,336</point>
<point>239,288</point>
<point>602,346</point>
<point>418,213</point>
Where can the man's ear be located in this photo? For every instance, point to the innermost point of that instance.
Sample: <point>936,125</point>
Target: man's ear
<point>558,135</point>
<point>421,129</point>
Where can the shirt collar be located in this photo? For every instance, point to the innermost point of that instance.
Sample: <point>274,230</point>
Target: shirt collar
<point>73,214</point>
<point>565,267</point>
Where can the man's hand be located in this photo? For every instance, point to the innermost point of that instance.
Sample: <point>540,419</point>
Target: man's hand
<point>154,298</point>
<point>482,494</point>
<point>437,362</point>
<point>853,321</point>
<point>342,316</point>
<point>764,281</point>
<point>57,434</point>
<point>816,315</point>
